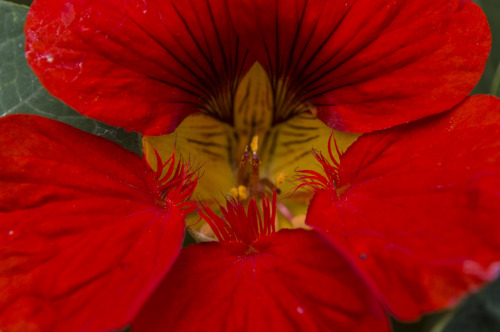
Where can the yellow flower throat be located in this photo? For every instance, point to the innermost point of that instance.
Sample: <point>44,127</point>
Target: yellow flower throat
<point>267,138</point>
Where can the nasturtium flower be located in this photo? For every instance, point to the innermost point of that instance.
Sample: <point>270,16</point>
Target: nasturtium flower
<point>246,88</point>
<point>87,229</point>
<point>412,210</point>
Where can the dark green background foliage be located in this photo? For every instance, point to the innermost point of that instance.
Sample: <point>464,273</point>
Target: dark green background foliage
<point>490,83</point>
<point>20,92</point>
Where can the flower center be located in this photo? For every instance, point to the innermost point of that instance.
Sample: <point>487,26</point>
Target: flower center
<point>254,148</point>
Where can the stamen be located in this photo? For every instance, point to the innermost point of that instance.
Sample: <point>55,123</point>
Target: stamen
<point>251,180</point>
<point>255,144</point>
<point>240,193</point>
<point>254,175</point>
<point>242,168</point>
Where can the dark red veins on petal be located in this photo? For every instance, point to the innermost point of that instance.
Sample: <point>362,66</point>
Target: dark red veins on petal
<point>417,207</point>
<point>86,229</point>
<point>141,65</point>
<point>367,64</point>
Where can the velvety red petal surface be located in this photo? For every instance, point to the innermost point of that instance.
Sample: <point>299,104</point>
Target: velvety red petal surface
<point>294,282</point>
<point>418,207</point>
<point>368,64</point>
<point>82,240</point>
<point>141,65</point>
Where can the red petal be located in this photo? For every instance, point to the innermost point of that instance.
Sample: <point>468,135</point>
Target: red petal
<point>83,241</point>
<point>292,282</point>
<point>420,205</point>
<point>368,64</point>
<point>141,65</point>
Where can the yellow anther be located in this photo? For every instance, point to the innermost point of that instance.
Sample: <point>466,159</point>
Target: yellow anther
<point>255,143</point>
<point>279,180</point>
<point>240,193</point>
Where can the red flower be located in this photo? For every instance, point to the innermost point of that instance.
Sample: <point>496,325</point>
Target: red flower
<point>255,279</point>
<point>357,65</point>
<point>364,65</point>
<point>87,230</point>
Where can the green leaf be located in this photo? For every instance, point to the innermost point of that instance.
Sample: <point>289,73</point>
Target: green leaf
<point>21,92</point>
<point>479,313</point>
<point>487,85</point>
<point>495,83</point>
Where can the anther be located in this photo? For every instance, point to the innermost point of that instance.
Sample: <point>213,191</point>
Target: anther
<point>240,193</point>
<point>255,144</point>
